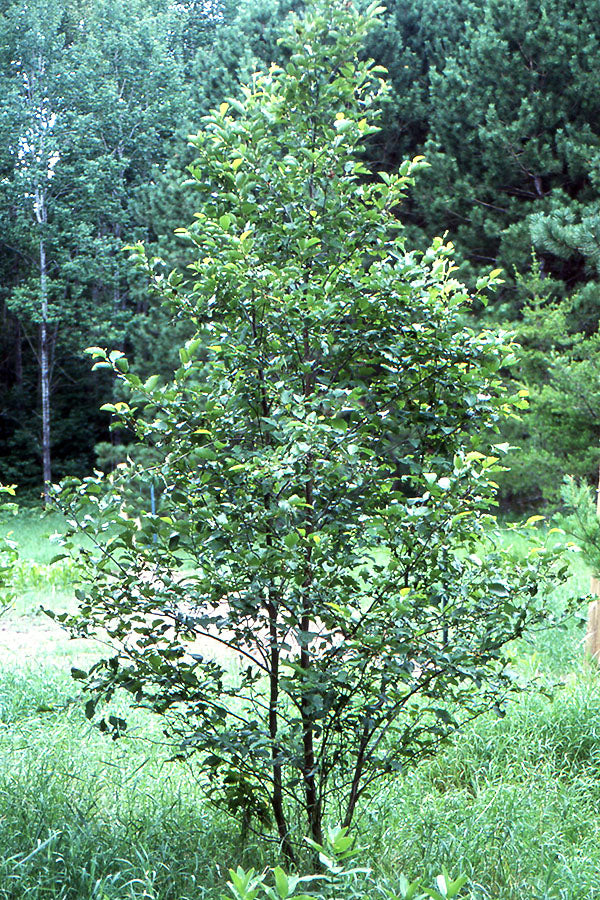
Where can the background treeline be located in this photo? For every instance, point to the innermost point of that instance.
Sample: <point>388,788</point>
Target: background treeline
<point>97,100</point>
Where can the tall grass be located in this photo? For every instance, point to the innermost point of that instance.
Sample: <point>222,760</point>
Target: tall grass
<point>82,817</point>
<point>513,803</point>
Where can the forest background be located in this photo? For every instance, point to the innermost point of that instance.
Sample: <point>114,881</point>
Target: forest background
<point>500,96</point>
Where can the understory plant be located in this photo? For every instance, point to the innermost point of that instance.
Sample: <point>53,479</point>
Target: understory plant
<point>318,597</point>
<point>339,878</point>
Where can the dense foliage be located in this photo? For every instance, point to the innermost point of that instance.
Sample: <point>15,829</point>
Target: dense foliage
<point>95,98</point>
<point>322,464</point>
<point>99,99</point>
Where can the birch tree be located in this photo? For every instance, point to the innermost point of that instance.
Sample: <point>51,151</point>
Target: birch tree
<point>35,108</point>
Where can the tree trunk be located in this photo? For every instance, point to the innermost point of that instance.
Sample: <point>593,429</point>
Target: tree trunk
<point>45,375</point>
<point>312,802</point>
<point>311,793</point>
<point>277,796</point>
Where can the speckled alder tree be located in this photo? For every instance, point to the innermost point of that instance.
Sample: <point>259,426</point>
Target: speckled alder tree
<point>325,470</point>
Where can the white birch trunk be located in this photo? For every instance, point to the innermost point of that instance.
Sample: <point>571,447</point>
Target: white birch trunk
<point>41,218</point>
<point>45,376</point>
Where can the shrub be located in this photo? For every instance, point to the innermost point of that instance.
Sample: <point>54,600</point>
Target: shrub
<point>325,462</point>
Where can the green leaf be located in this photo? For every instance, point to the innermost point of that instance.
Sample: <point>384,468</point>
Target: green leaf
<point>281,882</point>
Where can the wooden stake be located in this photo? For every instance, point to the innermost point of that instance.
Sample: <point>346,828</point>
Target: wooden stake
<point>592,637</point>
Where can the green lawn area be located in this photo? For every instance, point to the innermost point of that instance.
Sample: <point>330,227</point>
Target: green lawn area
<point>512,801</point>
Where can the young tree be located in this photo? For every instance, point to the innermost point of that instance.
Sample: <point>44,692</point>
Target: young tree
<point>324,468</point>
<point>557,365</point>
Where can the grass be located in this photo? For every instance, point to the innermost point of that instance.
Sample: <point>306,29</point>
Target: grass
<point>511,801</point>
<point>82,817</point>
<point>33,530</point>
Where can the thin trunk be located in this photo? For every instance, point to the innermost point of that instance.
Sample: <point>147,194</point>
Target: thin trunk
<point>45,375</point>
<point>272,606</point>
<point>311,794</point>
<point>42,165</point>
<point>277,797</point>
<point>313,805</point>
<point>358,770</point>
